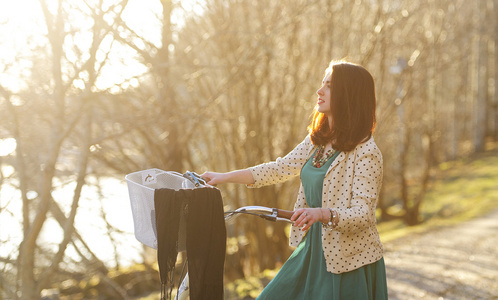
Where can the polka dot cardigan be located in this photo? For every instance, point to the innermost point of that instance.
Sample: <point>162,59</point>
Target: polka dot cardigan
<point>351,186</point>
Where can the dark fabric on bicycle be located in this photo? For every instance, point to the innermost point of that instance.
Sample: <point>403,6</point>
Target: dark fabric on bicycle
<point>206,244</point>
<point>205,241</point>
<point>167,215</point>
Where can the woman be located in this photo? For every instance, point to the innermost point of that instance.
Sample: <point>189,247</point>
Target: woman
<point>339,253</point>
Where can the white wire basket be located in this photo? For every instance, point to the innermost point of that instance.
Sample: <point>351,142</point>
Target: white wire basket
<point>141,187</point>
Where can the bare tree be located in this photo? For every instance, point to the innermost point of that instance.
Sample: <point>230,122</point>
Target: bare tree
<point>230,87</point>
<point>49,122</point>
<point>242,71</point>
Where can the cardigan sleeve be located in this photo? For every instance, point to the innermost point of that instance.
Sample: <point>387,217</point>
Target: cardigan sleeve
<point>367,182</point>
<point>283,168</point>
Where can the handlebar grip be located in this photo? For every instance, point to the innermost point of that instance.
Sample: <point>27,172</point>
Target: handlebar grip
<point>284,214</point>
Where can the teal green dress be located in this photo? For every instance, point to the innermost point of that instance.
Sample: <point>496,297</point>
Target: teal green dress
<point>304,275</point>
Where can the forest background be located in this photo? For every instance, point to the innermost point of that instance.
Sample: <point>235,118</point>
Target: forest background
<point>92,90</point>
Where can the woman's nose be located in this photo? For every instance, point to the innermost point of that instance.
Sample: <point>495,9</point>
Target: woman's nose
<point>319,92</point>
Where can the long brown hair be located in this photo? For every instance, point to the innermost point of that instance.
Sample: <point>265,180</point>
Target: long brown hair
<point>352,103</point>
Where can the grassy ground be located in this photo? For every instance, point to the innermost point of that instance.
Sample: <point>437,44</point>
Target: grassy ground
<point>461,190</point>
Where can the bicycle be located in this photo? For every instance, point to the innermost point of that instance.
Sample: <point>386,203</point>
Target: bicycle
<point>141,187</point>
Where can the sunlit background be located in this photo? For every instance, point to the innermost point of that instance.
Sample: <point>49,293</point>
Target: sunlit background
<point>24,30</point>
<point>92,90</point>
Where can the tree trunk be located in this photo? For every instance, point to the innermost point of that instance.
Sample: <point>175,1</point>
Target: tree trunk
<point>494,106</point>
<point>482,80</point>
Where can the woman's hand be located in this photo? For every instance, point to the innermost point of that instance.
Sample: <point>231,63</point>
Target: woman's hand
<point>305,217</point>
<point>214,178</point>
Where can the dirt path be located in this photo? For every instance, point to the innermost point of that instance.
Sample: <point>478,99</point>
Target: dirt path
<point>458,262</point>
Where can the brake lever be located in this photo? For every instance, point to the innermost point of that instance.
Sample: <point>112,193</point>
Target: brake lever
<point>195,178</point>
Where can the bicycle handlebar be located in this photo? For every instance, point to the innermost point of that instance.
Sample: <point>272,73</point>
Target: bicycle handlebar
<point>271,214</point>
<point>286,214</point>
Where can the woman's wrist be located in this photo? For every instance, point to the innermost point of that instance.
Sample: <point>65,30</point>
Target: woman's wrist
<point>332,219</point>
<point>243,176</point>
<point>324,215</point>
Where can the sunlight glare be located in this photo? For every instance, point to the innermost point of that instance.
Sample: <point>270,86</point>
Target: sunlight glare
<point>21,32</point>
<point>24,32</point>
<point>7,146</point>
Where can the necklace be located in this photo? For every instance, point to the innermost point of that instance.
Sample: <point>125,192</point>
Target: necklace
<point>320,157</point>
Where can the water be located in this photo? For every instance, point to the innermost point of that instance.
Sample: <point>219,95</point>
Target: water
<point>110,239</point>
